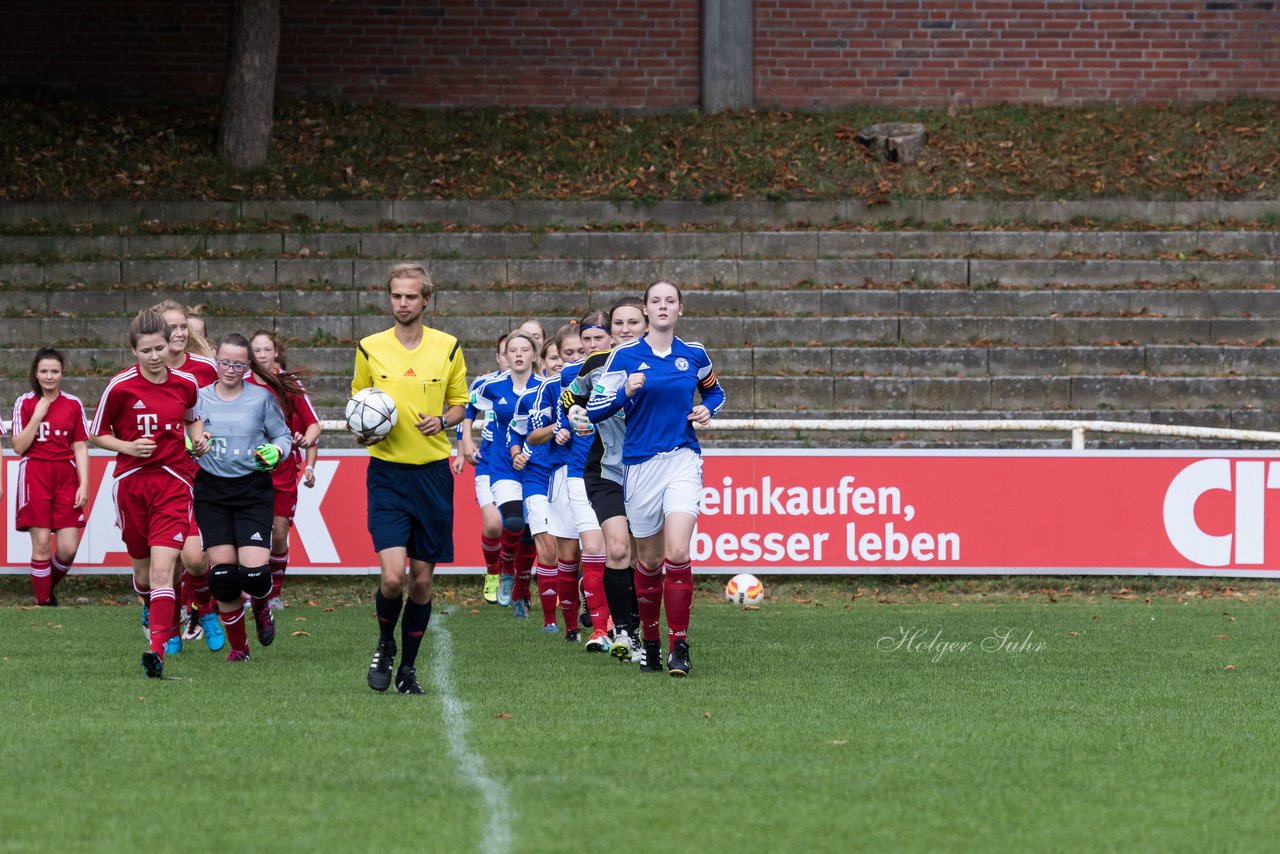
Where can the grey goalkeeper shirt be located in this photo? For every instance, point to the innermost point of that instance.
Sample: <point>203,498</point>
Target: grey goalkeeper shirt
<point>237,426</point>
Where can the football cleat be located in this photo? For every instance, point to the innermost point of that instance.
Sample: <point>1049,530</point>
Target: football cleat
<point>550,628</point>
<point>276,603</point>
<point>214,637</point>
<point>380,667</point>
<point>571,636</point>
<point>192,629</point>
<point>153,664</point>
<point>491,589</point>
<point>407,681</point>
<point>584,619</point>
<point>265,622</point>
<point>238,655</point>
<point>651,660</point>
<point>599,641</point>
<point>520,609</point>
<point>621,646</point>
<point>678,660</point>
<point>173,645</point>
<point>506,584</point>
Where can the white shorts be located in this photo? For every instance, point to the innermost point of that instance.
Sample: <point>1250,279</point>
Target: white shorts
<point>667,483</point>
<point>506,490</point>
<point>535,514</point>
<point>570,513</point>
<point>484,495</point>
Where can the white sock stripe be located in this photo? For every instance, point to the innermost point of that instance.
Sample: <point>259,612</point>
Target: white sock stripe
<point>163,593</point>
<point>59,565</point>
<point>237,616</point>
<point>41,573</point>
<point>499,818</point>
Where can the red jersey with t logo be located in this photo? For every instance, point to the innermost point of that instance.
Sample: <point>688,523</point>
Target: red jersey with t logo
<point>133,407</point>
<point>62,425</point>
<point>204,369</point>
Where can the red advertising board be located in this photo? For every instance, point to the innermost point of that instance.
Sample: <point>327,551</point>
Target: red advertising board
<point>799,512</point>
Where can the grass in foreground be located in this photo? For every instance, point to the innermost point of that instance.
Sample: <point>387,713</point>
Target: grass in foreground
<point>85,150</point>
<point>824,725</point>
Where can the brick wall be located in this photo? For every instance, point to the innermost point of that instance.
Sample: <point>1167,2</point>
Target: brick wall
<point>931,52</point>
<point>643,54</point>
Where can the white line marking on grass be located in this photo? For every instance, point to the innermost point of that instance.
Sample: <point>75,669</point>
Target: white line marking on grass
<point>497,831</point>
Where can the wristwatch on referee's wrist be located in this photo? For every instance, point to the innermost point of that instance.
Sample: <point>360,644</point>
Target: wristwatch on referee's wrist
<point>444,425</point>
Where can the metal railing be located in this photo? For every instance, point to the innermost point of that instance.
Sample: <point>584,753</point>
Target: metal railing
<point>1077,429</point>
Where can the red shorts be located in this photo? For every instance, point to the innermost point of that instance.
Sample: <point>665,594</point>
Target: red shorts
<point>285,482</point>
<point>46,495</point>
<point>153,508</point>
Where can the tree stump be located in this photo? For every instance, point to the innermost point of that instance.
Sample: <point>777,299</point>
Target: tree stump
<point>894,142</point>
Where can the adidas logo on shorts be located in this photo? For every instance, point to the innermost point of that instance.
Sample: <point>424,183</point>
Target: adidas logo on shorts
<point>178,537</point>
<point>256,536</point>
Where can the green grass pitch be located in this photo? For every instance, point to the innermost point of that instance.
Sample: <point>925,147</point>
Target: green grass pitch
<point>1101,724</point>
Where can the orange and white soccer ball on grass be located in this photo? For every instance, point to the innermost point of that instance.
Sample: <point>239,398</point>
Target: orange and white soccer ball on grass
<point>744,589</point>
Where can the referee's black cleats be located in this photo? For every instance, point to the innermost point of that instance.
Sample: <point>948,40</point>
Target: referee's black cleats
<point>678,660</point>
<point>406,681</point>
<point>265,622</point>
<point>652,661</point>
<point>380,667</point>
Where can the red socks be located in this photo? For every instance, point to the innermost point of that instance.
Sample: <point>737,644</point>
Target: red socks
<point>233,624</point>
<point>567,586</point>
<point>200,594</point>
<point>164,617</point>
<point>59,570</point>
<point>548,595</point>
<point>41,581</point>
<point>649,598</point>
<point>677,595</point>
<point>492,547</point>
<point>278,563</point>
<point>593,591</point>
<point>507,545</point>
<point>526,554</point>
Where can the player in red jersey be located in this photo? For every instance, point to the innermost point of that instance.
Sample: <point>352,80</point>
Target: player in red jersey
<point>143,413</point>
<point>190,353</point>
<point>53,474</point>
<point>304,427</point>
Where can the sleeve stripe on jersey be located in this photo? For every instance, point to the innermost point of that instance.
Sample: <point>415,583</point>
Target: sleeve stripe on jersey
<point>126,374</point>
<point>454,351</point>
<point>363,351</point>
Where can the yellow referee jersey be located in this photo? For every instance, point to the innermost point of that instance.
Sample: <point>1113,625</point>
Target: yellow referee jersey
<point>427,379</point>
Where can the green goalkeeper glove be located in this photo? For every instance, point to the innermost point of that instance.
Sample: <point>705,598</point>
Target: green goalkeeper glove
<point>267,456</point>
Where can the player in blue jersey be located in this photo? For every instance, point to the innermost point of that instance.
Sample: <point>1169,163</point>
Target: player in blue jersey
<point>653,380</point>
<point>602,479</point>
<point>490,519</point>
<point>534,462</point>
<point>500,396</point>
<point>558,564</point>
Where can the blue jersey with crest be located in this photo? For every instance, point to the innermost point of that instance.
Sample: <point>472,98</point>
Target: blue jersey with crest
<point>486,429</point>
<point>658,413</point>
<point>579,446</point>
<point>499,396</point>
<point>535,405</point>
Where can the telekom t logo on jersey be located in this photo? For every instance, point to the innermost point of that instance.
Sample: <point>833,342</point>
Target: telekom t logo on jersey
<point>147,423</point>
<point>1252,480</point>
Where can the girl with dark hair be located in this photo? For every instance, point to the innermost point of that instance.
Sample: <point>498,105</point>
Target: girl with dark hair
<point>248,437</point>
<point>53,475</point>
<point>304,427</point>
<point>143,413</point>
<point>654,380</point>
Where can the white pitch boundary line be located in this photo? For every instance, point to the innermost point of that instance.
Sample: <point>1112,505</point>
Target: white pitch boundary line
<point>497,831</point>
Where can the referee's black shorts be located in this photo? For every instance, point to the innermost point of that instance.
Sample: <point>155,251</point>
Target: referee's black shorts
<point>606,497</point>
<point>411,507</point>
<point>234,511</point>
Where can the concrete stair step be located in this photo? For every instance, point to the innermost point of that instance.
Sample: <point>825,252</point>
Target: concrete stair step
<point>361,274</point>
<point>811,244</point>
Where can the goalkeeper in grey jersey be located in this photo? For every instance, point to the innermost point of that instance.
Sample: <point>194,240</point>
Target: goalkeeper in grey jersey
<point>248,435</point>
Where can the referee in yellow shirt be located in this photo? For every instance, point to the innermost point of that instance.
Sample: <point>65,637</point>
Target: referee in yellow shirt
<point>409,484</point>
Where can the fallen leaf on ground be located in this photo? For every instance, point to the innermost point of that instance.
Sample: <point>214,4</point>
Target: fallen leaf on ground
<point>506,716</point>
<point>301,634</point>
<point>1229,667</point>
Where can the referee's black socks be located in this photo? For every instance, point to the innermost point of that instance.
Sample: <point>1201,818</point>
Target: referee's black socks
<point>388,611</point>
<point>416,618</point>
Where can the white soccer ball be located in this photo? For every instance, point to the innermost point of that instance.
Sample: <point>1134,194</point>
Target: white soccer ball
<point>744,589</point>
<point>371,413</point>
